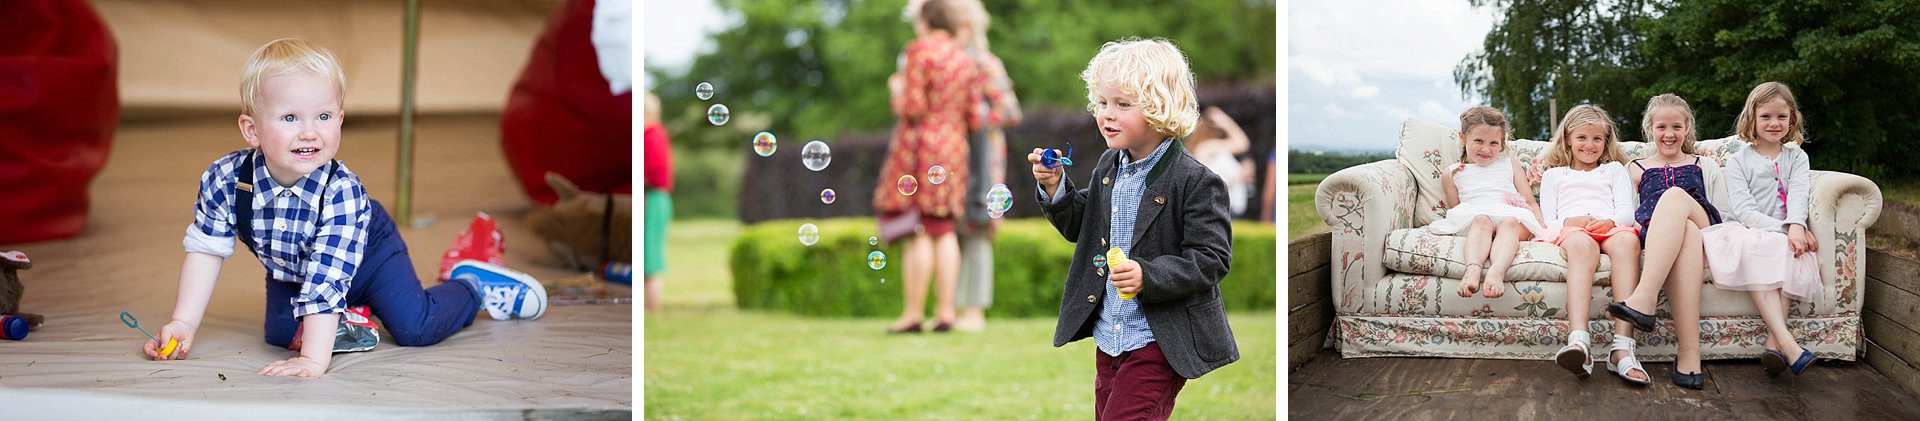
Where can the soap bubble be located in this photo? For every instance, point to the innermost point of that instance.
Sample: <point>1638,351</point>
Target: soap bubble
<point>704,91</point>
<point>994,215</point>
<point>908,185</point>
<point>876,260</point>
<point>999,199</point>
<point>809,234</point>
<point>1099,261</point>
<point>826,196</point>
<point>873,241</point>
<point>717,114</point>
<point>937,174</point>
<point>764,143</point>
<point>816,155</point>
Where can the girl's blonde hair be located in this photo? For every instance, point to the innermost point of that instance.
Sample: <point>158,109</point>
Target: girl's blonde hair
<point>288,56</point>
<point>1747,126</point>
<point>1155,73</point>
<point>1485,116</point>
<point>1670,100</point>
<point>1583,115</point>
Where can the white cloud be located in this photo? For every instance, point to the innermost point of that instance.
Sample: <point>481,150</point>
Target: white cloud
<point>1434,111</point>
<point>1336,111</point>
<point>1365,91</point>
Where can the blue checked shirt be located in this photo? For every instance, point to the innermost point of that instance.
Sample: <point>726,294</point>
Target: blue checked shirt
<point>1122,327</point>
<point>301,240</point>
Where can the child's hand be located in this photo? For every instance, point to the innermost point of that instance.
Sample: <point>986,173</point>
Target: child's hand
<point>175,330</point>
<point>1047,177</point>
<point>1800,240</point>
<point>296,366</point>
<point>1126,277</point>
<point>1599,225</point>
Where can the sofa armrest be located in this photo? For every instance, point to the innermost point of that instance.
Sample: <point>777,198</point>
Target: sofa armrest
<point>1361,204</point>
<point>1840,209</point>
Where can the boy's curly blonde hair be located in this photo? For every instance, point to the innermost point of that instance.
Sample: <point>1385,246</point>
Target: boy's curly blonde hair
<point>287,56</point>
<point>1155,73</point>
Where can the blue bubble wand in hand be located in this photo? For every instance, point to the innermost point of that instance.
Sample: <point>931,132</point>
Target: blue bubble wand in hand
<point>132,322</point>
<point>1052,158</point>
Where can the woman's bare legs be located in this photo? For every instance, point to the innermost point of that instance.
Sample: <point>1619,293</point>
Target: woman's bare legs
<point>1506,243</point>
<point>916,265</point>
<point>1479,240</point>
<point>946,273</point>
<point>1623,253</point>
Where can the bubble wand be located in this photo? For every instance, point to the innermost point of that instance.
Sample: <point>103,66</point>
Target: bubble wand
<point>132,322</point>
<point>1052,158</point>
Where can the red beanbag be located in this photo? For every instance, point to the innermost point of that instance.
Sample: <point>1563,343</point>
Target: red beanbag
<point>59,103</point>
<point>561,116</point>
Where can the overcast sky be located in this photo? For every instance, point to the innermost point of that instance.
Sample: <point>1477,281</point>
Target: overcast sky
<point>1356,69</point>
<point>675,30</point>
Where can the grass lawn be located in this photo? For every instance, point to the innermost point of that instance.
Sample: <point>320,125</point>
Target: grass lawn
<point>706,359</point>
<point>1293,179</point>
<point>1301,218</point>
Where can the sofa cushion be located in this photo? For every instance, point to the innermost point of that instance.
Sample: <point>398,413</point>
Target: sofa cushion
<point>1425,148</point>
<point>1416,251</point>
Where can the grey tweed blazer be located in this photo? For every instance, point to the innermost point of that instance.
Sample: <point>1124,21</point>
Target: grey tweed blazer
<point>1182,240</point>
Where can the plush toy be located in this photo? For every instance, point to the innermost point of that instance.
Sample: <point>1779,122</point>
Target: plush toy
<point>584,231</point>
<point>11,263</point>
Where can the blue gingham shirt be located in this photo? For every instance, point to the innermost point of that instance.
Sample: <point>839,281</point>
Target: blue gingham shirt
<point>301,240</point>
<point>1122,327</point>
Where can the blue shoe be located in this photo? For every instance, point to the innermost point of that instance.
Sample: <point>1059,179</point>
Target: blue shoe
<point>1806,359</point>
<point>1774,362</point>
<point>505,293</point>
<point>1695,381</point>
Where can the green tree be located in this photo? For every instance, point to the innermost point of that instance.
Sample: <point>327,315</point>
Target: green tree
<point>1572,51</point>
<point>1853,65</point>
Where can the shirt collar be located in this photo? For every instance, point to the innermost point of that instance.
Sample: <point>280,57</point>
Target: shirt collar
<point>307,189</point>
<point>1127,164</point>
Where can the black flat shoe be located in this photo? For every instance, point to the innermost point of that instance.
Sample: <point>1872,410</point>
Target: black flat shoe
<point>1695,381</point>
<point>1774,362</point>
<point>914,328</point>
<point>1641,321</point>
<point>942,327</point>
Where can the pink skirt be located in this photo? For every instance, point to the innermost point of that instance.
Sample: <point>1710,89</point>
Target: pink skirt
<point>1747,259</point>
<point>1600,237</point>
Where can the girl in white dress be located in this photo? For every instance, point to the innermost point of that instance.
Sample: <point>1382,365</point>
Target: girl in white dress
<point>1489,199</point>
<point>1587,201</point>
<point>1766,249</point>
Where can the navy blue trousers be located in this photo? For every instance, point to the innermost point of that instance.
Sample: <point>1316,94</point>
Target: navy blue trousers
<point>386,282</point>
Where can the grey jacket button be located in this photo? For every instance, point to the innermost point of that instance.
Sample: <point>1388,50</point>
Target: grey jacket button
<point>1090,298</point>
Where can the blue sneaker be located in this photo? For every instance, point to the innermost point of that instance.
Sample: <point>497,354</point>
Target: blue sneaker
<point>505,293</point>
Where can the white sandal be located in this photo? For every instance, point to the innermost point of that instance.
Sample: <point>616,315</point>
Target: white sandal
<point>1628,363</point>
<point>1574,356</point>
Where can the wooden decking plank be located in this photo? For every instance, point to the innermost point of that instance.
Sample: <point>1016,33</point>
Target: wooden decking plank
<point>1309,252</point>
<point>1540,389</point>
<point>1312,285</point>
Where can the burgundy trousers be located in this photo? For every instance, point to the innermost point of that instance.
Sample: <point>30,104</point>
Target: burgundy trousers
<point>1137,385</point>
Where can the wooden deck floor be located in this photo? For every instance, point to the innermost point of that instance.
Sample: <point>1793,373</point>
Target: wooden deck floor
<point>1512,389</point>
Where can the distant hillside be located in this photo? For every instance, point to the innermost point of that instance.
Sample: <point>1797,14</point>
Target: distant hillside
<point>1322,162</point>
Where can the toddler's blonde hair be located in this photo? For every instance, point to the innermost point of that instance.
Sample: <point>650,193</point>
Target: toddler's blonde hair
<point>1485,116</point>
<point>1155,73</point>
<point>1670,100</point>
<point>287,56</point>
<point>1583,115</point>
<point>1748,126</point>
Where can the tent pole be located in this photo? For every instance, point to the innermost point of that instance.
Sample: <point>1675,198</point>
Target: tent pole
<point>409,63</point>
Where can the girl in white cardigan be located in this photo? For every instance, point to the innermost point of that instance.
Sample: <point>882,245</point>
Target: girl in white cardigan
<point>1586,198</point>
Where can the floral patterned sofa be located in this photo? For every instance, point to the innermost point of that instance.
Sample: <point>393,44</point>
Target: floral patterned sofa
<point>1394,284</point>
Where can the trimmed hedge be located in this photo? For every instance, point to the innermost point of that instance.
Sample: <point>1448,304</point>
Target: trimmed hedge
<point>773,271</point>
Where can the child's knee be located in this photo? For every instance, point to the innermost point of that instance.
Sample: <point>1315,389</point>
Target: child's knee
<point>1579,244</point>
<point>1482,222</point>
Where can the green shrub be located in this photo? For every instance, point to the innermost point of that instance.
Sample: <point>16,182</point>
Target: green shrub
<point>772,270</point>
